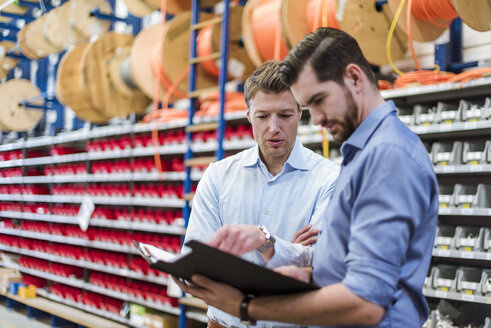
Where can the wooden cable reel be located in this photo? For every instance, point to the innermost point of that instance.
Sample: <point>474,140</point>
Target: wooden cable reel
<point>370,28</point>
<point>6,63</point>
<point>359,18</point>
<point>90,82</point>
<point>476,13</point>
<point>139,8</point>
<point>261,27</point>
<point>64,26</point>
<point>96,62</point>
<point>240,65</point>
<point>13,115</point>
<point>175,43</point>
<point>70,88</point>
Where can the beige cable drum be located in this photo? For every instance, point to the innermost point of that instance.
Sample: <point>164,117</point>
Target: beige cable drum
<point>370,28</point>
<point>96,63</point>
<point>57,29</point>
<point>21,41</point>
<point>6,63</point>
<point>475,13</point>
<point>85,24</point>
<point>36,40</point>
<point>70,89</point>
<point>13,115</point>
<point>139,8</point>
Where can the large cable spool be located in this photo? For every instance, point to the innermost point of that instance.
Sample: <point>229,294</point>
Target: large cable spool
<point>261,28</point>
<point>370,28</point>
<point>139,8</point>
<point>70,88</point>
<point>13,115</point>
<point>422,30</point>
<point>64,26</point>
<point>83,22</point>
<point>476,13</point>
<point>240,65</point>
<point>141,57</point>
<point>359,18</point>
<point>96,63</point>
<point>175,58</point>
<point>6,63</point>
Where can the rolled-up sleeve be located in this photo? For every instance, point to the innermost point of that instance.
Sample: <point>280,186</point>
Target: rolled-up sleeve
<point>389,206</point>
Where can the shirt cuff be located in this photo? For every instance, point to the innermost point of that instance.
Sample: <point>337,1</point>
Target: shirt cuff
<point>287,253</point>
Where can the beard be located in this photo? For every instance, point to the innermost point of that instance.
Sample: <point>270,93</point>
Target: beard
<point>350,122</point>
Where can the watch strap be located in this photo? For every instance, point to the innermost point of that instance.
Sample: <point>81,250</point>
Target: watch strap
<point>244,311</point>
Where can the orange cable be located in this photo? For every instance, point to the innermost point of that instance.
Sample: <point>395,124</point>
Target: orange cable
<point>265,26</point>
<point>203,48</point>
<point>429,10</point>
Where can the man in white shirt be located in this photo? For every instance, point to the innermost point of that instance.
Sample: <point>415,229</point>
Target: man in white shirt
<point>274,193</point>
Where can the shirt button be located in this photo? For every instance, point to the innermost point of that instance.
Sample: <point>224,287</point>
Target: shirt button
<point>266,212</point>
<point>270,182</point>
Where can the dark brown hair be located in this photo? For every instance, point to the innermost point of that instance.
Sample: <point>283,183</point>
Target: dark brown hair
<point>329,51</point>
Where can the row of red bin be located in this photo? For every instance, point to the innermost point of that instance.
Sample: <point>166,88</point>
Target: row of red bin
<point>24,189</point>
<point>138,215</point>
<point>11,172</point>
<point>60,150</point>
<point>11,155</point>
<point>145,290</point>
<point>65,169</point>
<point>113,259</point>
<point>8,206</point>
<point>139,165</point>
<point>239,132</point>
<point>102,302</point>
<point>57,269</point>
<point>33,280</point>
<point>117,237</point>
<point>100,212</point>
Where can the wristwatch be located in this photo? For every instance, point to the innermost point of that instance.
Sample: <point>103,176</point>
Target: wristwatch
<point>269,239</point>
<point>244,313</point>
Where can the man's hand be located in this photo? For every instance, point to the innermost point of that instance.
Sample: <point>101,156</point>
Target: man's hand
<point>216,294</point>
<point>306,236</point>
<point>238,239</point>
<point>302,274</point>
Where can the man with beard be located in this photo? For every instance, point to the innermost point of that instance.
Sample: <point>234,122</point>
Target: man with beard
<point>272,196</point>
<point>373,254</point>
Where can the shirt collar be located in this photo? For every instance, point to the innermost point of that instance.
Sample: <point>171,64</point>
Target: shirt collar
<point>364,131</point>
<point>296,159</point>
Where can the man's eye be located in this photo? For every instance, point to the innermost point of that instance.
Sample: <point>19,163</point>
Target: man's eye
<point>286,115</point>
<point>261,117</point>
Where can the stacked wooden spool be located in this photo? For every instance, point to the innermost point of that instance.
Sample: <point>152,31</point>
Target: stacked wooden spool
<point>90,82</point>
<point>265,21</point>
<point>14,116</point>
<point>67,25</point>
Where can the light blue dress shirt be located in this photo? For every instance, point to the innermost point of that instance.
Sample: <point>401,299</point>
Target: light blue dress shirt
<point>379,227</point>
<point>240,190</point>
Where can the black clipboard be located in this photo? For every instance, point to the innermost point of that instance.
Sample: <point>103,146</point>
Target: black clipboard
<point>250,278</point>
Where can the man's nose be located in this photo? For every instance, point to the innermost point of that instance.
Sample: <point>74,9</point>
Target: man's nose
<point>274,125</point>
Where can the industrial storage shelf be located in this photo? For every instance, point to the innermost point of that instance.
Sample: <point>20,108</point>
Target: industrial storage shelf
<point>104,200</point>
<point>93,288</point>
<point>86,264</point>
<point>70,240</point>
<point>108,177</point>
<point>108,315</point>
<point>457,296</point>
<point>464,211</point>
<point>196,315</point>
<point>117,224</point>
<point>456,129</point>
<point>442,91</point>
<point>463,169</point>
<point>471,255</point>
